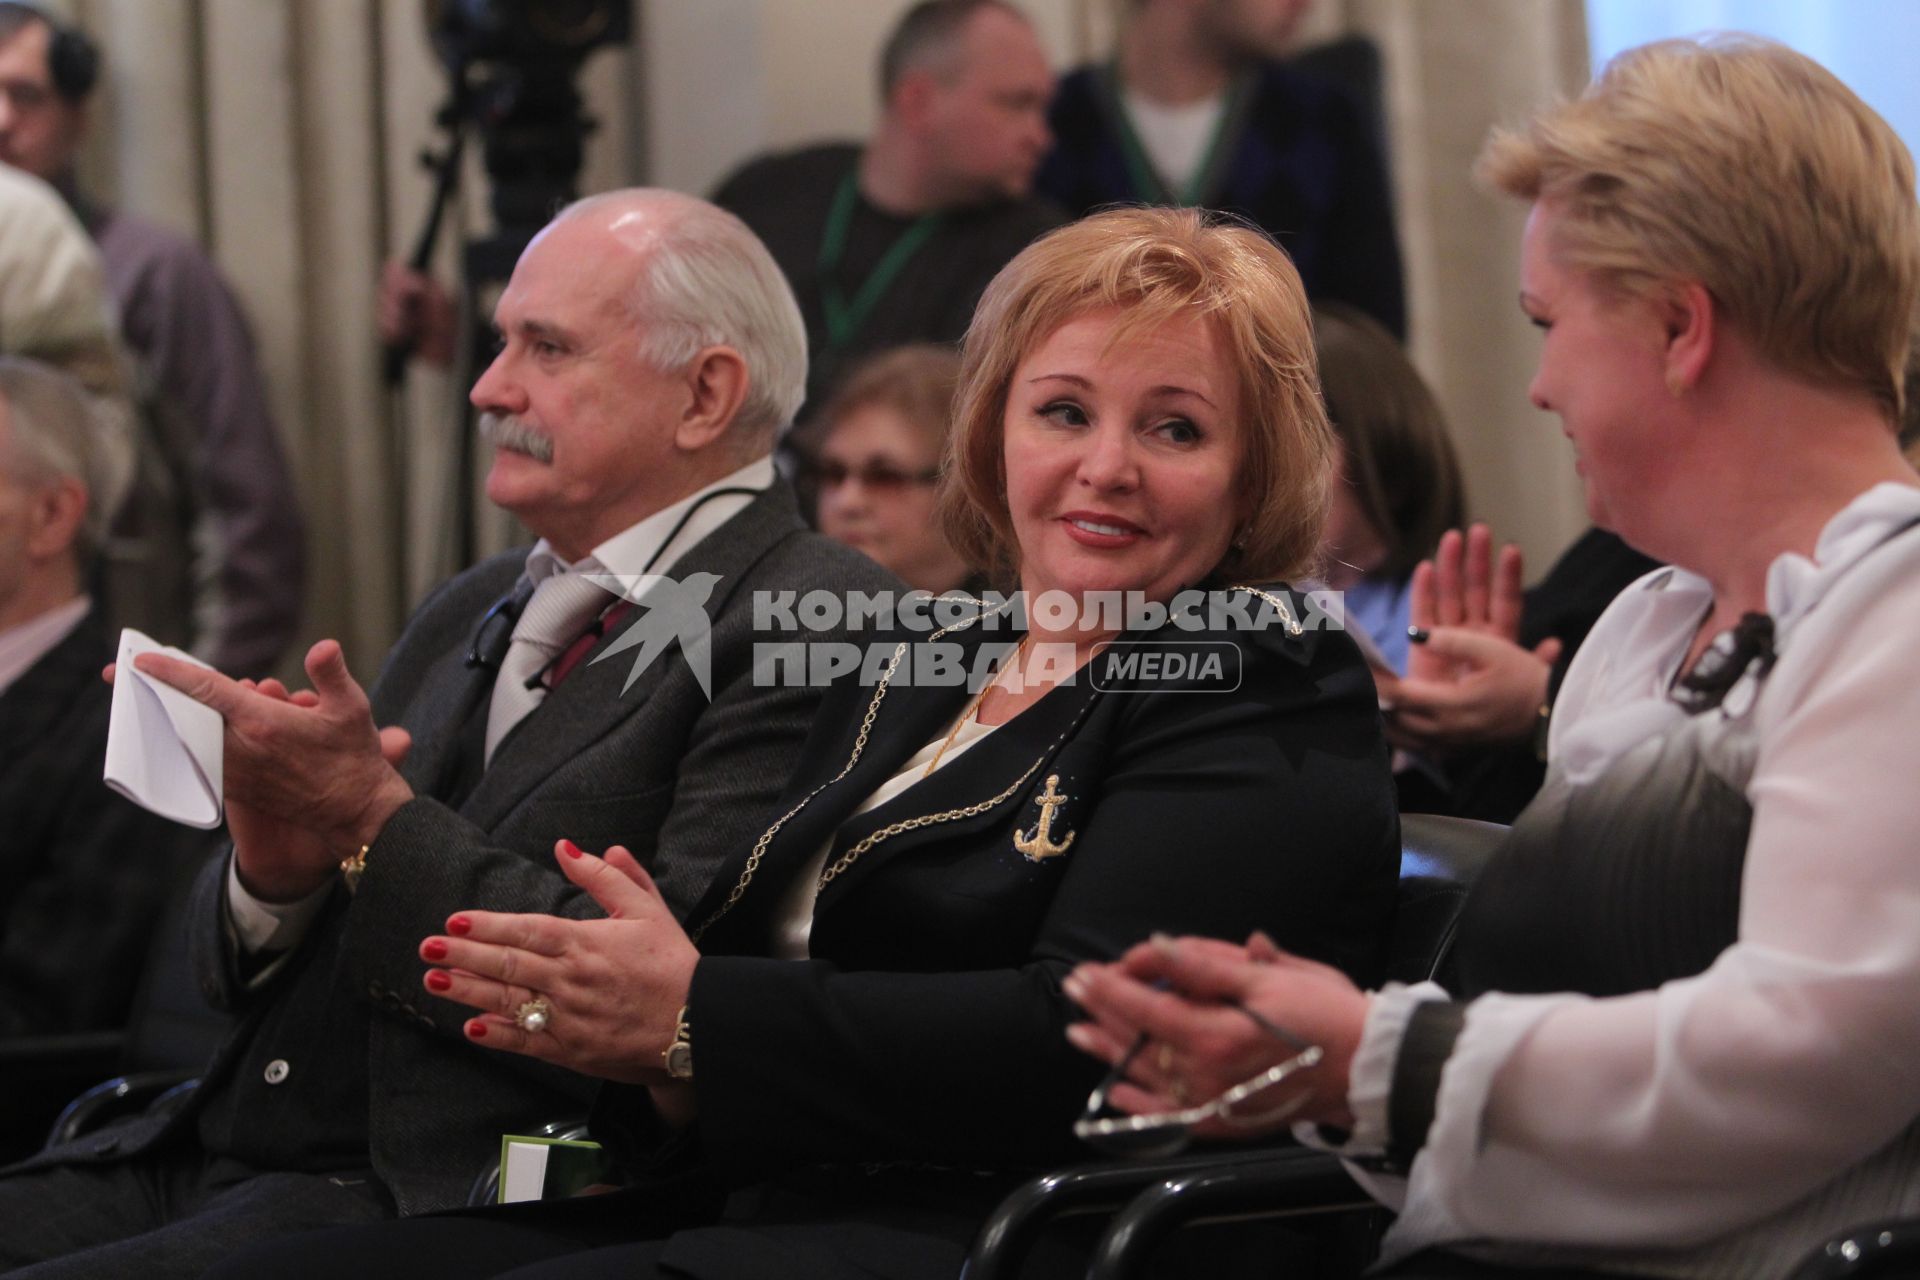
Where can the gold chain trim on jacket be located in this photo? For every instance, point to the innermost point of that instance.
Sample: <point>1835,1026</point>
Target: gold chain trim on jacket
<point>1280,606</point>
<point>859,745</point>
<point>852,855</point>
<point>886,833</point>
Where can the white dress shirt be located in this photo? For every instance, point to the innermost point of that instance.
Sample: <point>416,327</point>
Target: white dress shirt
<point>23,645</point>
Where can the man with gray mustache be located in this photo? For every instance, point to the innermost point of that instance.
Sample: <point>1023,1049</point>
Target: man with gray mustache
<point>504,431</point>
<point>651,352</point>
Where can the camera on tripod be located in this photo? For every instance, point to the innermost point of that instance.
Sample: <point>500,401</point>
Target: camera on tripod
<point>513,63</point>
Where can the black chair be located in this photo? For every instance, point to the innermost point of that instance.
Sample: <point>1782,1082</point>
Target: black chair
<point>170,1034</point>
<point>1439,860</point>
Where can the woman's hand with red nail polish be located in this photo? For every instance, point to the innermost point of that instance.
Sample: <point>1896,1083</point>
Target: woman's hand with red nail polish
<point>613,987</point>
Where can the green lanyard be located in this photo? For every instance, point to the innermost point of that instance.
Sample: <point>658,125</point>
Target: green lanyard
<point>1147,183</point>
<point>845,318</point>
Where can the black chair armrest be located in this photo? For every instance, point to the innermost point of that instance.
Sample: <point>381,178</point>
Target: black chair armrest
<point>1888,1250</point>
<point>1286,1183</point>
<point>118,1098</point>
<point>1002,1243</point>
<point>42,1074</point>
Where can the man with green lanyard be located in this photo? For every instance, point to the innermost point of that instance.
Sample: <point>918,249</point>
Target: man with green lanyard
<point>1194,109</point>
<point>893,242</point>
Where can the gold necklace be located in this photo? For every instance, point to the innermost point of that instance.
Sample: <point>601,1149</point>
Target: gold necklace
<point>973,708</point>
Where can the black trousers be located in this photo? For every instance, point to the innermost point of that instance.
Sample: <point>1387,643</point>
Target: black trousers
<point>165,1214</point>
<point>810,1229</point>
<point>816,1226</point>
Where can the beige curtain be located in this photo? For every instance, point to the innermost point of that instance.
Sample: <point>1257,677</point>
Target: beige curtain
<point>1454,70</point>
<point>284,136</point>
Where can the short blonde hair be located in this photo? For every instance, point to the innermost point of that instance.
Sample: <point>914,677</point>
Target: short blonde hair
<point>1736,162</point>
<point>1154,265</point>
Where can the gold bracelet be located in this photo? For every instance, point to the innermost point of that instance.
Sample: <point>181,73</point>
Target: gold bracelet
<point>352,868</point>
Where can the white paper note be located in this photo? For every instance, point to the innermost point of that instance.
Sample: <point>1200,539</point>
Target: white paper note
<point>163,749</point>
<point>523,1172</point>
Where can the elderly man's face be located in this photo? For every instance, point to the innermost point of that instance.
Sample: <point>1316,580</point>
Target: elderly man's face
<point>583,428</point>
<point>39,130</point>
<point>988,124</point>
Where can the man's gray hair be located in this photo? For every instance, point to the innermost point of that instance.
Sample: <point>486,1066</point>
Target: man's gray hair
<point>708,281</point>
<point>54,432</point>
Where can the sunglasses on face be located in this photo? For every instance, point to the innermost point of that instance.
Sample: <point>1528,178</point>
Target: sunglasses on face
<point>876,476</point>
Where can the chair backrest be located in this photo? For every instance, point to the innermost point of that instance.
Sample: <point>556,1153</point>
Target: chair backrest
<point>1439,860</point>
<point>171,1025</point>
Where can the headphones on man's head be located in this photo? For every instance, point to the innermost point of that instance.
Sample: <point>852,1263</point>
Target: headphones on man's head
<point>73,60</point>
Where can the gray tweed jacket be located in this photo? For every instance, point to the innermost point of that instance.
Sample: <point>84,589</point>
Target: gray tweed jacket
<point>343,1062</point>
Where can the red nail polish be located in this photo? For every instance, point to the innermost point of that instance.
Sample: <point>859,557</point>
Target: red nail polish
<point>571,849</point>
<point>434,949</point>
<point>459,926</point>
<point>439,980</point>
<point>477,1029</point>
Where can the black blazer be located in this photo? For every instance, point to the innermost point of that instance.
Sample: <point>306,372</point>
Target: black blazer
<point>928,1026</point>
<point>86,870</point>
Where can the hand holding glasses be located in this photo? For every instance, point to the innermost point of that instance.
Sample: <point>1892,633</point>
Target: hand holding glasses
<point>1165,1132</point>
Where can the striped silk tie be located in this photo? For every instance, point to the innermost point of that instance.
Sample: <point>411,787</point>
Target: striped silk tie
<point>562,607</point>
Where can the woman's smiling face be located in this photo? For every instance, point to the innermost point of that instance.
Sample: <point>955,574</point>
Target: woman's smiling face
<point>1121,457</point>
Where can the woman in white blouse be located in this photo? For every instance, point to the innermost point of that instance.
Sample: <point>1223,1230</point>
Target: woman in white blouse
<point>1687,1039</point>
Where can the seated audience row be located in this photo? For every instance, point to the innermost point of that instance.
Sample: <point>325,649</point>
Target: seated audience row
<point>809,936</point>
<point>868,971</point>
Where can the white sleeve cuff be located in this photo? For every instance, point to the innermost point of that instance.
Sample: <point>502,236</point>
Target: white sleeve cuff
<point>268,926</point>
<point>1370,1080</point>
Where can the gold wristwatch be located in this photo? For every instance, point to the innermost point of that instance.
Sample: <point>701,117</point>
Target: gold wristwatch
<point>678,1056</point>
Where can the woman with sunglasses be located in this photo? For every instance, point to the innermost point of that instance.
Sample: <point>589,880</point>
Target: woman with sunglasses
<point>1689,1007</point>
<point>860,1033</point>
<point>876,464</point>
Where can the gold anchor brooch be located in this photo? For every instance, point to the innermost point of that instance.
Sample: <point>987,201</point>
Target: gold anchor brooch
<point>1040,845</point>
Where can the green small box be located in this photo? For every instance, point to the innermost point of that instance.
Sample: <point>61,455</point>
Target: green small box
<point>548,1168</point>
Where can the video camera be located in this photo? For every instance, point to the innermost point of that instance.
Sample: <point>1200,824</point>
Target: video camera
<point>516,61</point>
